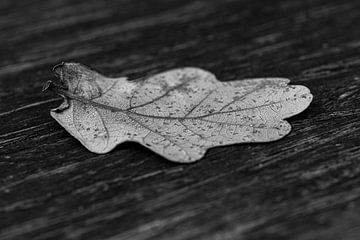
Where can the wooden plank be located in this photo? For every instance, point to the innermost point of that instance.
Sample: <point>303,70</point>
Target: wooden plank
<point>305,186</point>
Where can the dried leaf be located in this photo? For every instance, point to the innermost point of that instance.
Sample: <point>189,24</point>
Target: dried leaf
<point>178,114</point>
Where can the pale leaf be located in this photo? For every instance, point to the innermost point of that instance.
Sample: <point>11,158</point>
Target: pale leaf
<point>178,114</point>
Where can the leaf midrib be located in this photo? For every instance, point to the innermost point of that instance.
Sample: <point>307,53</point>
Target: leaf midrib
<point>127,112</point>
<point>186,117</point>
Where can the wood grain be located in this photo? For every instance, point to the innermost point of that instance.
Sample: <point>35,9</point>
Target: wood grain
<point>305,186</point>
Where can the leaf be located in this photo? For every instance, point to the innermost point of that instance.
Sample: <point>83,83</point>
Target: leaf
<point>178,114</point>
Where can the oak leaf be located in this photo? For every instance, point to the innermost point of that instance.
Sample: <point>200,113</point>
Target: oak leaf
<point>178,114</point>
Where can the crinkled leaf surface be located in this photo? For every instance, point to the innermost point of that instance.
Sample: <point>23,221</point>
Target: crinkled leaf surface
<point>178,114</point>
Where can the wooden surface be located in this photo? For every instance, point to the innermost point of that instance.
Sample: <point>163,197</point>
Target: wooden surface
<point>305,186</point>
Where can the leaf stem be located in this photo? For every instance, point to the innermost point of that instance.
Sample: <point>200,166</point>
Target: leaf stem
<point>61,90</point>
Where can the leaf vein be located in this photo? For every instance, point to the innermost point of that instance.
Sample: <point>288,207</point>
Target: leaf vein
<point>158,133</point>
<point>242,97</point>
<point>198,104</point>
<point>240,125</point>
<point>161,96</point>
<point>195,133</point>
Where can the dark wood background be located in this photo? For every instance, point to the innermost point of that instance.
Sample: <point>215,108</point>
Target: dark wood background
<point>305,186</point>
